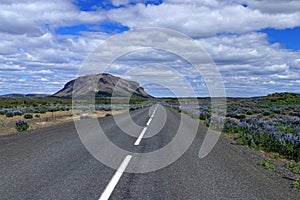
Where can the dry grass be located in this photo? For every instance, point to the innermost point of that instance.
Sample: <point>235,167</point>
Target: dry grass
<point>48,119</point>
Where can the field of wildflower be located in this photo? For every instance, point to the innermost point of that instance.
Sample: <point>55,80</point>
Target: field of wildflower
<point>269,123</point>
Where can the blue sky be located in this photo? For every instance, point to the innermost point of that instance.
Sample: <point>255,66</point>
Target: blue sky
<point>255,44</point>
<point>289,38</point>
<point>104,27</point>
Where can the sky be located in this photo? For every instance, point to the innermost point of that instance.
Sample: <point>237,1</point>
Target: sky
<point>254,44</point>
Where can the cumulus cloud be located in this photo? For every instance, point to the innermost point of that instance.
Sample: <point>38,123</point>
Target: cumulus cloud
<point>203,18</point>
<point>226,29</point>
<point>30,16</point>
<point>249,62</point>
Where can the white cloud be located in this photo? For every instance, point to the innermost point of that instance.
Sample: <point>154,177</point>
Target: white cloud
<point>11,67</point>
<point>248,63</point>
<point>203,18</point>
<point>30,16</point>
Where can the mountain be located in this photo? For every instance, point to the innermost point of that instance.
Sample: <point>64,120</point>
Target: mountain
<point>105,85</point>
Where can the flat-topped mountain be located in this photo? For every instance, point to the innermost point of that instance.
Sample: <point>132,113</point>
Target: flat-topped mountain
<point>103,85</point>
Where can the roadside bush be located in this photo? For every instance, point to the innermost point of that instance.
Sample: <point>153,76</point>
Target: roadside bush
<point>202,116</point>
<point>17,113</point>
<point>21,125</point>
<point>296,168</point>
<point>9,114</point>
<point>275,155</point>
<point>267,163</point>
<point>42,111</point>
<point>37,116</point>
<point>28,116</point>
<point>266,113</point>
<point>296,184</point>
<point>293,166</point>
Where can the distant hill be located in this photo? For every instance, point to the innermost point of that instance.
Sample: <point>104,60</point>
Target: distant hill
<point>283,98</point>
<point>106,84</point>
<point>16,95</point>
<point>283,95</point>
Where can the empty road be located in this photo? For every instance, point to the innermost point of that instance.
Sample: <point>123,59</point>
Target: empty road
<point>52,163</point>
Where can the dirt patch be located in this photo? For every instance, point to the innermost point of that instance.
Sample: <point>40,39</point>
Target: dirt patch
<point>48,119</point>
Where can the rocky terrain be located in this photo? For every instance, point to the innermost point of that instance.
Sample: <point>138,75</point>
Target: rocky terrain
<point>103,85</point>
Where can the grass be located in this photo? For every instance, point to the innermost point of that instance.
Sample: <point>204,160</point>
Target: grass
<point>296,184</point>
<point>267,163</point>
<point>293,166</point>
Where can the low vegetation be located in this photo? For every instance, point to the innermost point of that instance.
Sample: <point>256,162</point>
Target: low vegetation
<point>270,124</point>
<point>21,125</point>
<point>39,111</point>
<point>296,184</point>
<point>267,163</point>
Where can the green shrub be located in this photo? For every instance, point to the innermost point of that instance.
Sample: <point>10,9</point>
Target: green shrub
<point>203,116</point>
<point>267,163</point>
<point>17,113</point>
<point>21,125</point>
<point>275,155</point>
<point>28,116</point>
<point>42,111</point>
<point>296,168</point>
<point>289,164</point>
<point>37,116</point>
<point>296,184</point>
<point>9,114</point>
<point>293,166</point>
<point>266,113</point>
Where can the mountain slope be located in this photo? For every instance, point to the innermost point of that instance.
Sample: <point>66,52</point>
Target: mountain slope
<point>103,85</point>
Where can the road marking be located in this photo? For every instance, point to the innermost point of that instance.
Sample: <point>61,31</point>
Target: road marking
<point>139,139</point>
<point>137,142</point>
<point>153,112</point>
<point>115,179</point>
<point>149,121</point>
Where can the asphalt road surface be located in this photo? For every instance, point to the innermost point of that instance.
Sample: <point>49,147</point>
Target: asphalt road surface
<point>52,163</point>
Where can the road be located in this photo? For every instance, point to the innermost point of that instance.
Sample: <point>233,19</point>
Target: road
<point>52,163</point>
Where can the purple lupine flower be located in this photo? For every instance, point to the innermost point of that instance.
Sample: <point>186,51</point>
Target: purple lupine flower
<point>17,112</point>
<point>235,138</point>
<point>289,138</point>
<point>273,135</point>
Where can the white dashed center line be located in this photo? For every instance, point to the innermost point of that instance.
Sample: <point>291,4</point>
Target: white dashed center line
<point>139,139</point>
<point>115,179</point>
<point>149,121</point>
<point>137,142</point>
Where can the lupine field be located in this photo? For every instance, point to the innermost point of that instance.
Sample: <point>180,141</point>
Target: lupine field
<point>269,123</point>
